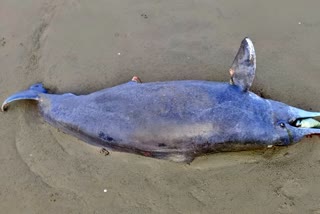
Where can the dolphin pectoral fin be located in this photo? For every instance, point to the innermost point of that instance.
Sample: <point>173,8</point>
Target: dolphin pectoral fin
<point>31,94</point>
<point>136,79</point>
<point>243,68</point>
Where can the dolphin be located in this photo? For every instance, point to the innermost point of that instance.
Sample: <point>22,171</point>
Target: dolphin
<point>177,120</point>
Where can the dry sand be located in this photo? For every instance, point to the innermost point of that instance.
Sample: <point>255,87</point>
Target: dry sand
<point>73,46</point>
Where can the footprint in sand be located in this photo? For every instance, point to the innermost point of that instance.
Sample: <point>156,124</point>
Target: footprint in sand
<point>291,190</point>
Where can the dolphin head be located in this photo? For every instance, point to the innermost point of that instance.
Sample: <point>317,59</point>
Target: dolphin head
<point>292,124</point>
<point>288,124</point>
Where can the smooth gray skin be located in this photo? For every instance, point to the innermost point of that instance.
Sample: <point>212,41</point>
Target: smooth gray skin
<point>176,120</point>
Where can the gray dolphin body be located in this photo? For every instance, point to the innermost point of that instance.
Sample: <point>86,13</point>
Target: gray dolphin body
<point>177,120</point>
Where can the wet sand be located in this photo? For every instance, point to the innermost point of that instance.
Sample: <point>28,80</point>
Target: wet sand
<point>83,46</point>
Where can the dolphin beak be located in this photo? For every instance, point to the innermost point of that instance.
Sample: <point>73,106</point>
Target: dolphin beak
<point>309,132</point>
<point>305,123</point>
<point>308,126</point>
<point>304,119</point>
<point>299,113</point>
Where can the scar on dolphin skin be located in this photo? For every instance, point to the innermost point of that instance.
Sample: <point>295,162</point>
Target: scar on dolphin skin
<point>105,137</point>
<point>177,120</point>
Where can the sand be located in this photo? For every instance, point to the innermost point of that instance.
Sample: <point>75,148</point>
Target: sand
<point>83,46</point>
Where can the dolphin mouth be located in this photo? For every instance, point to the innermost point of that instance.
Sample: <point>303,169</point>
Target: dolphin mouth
<point>306,123</point>
<point>307,126</point>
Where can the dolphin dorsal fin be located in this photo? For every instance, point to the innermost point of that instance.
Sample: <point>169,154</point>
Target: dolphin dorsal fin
<point>243,67</point>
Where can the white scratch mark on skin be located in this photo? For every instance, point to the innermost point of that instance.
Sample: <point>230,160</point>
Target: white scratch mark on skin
<point>254,96</point>
<point>251,48</point>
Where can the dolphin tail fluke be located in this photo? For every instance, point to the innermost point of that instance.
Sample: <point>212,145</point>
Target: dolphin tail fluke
<point>31,94</point>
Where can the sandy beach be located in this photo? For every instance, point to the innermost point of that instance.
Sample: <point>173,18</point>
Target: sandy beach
<point>82,46</point>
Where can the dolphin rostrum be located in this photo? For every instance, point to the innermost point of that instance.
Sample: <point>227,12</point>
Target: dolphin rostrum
<point>177,120</point>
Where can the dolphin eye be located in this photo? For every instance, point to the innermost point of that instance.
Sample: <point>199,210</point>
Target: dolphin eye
<point>282,125</point>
